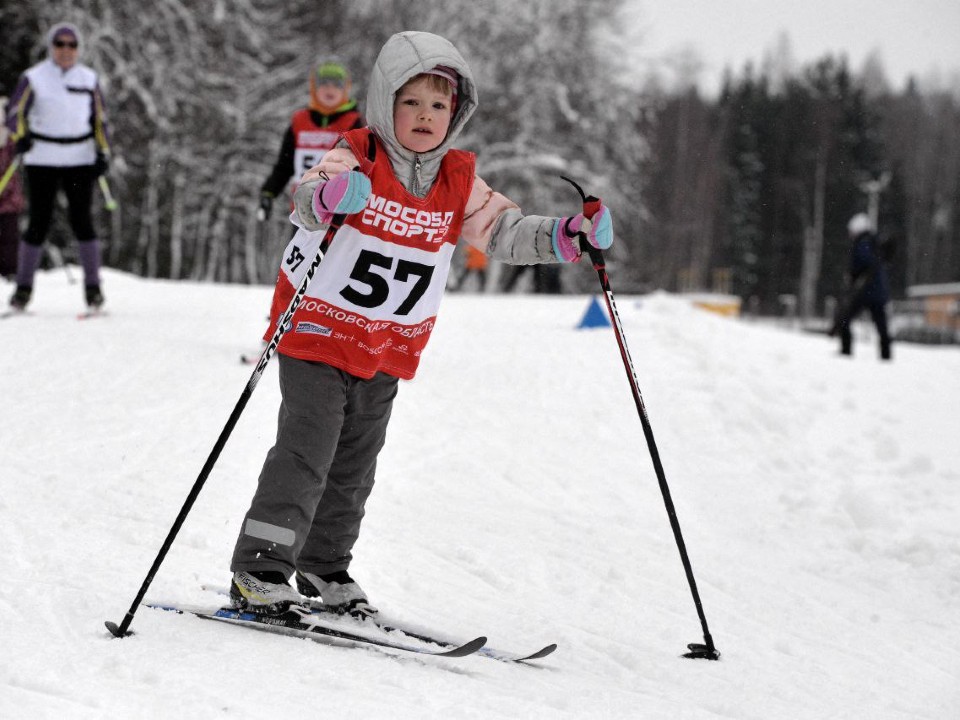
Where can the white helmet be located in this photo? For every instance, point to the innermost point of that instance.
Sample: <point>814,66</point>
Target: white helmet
<point>859,224</point>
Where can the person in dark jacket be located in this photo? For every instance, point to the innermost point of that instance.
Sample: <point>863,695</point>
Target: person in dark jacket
<point>313,130</point>
<point>869,287</point>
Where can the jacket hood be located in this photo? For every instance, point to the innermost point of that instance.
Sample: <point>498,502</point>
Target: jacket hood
<point>63,28</point>
<point>402,57</point>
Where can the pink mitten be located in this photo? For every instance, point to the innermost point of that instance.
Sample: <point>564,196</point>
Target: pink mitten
<point>344,194</point>
<point>569,231</point>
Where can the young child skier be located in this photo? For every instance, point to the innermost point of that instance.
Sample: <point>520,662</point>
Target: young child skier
<point>368,313</point>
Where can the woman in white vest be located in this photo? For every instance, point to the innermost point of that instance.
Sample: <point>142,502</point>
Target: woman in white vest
<point>56,118</point>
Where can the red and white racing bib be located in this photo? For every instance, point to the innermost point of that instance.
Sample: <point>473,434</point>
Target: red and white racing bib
<point>373,301</point>
<point>312,141</point>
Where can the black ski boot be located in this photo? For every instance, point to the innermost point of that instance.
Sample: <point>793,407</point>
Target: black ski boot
<point>20,297</point>
<point>93,296</point>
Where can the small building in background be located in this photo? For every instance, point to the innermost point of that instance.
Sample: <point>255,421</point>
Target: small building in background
<point>720,303</point>
<point>930,314</point>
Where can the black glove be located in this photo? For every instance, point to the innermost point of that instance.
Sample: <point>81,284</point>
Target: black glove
<point>101,164</point>
<point>266,207</point>
<point>24,144</point>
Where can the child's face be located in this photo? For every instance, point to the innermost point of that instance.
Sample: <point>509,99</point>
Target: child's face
<point>331,93</point>
<point>421,115</point>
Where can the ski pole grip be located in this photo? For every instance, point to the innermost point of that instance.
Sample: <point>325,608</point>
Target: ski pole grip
<point>591,206</point>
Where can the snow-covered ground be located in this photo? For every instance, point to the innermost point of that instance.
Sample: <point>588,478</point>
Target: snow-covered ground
<point>819,498</point>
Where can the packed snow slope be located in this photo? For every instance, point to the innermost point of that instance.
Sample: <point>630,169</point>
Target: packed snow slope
<point>819,499</point>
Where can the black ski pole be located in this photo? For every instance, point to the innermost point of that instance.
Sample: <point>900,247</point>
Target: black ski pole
<point>122,629</point>
<point>705,650</point>
<point>11,169</point>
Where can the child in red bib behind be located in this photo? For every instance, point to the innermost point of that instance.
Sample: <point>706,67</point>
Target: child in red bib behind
<point>313,130</point>
<point>368,313</point>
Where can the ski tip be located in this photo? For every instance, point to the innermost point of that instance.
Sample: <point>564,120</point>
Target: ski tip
<point>466,649</point>
<point>115,630</point>
<point>542,653</point>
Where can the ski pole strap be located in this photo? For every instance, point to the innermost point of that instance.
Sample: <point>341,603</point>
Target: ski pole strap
<point>591,204</point>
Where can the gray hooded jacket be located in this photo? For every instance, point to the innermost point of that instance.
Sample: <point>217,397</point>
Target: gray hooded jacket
<point>513,238</point>
<point>404,56</point>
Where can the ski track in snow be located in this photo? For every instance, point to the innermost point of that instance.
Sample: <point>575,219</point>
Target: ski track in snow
<point>818,498</point>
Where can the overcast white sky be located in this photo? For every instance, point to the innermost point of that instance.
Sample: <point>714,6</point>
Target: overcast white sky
<point>913,36</point>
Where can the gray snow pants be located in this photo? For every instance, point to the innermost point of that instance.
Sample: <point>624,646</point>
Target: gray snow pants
<point>306,512</point>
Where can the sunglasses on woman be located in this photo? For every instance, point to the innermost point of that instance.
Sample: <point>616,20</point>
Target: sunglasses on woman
<point>65,43</point>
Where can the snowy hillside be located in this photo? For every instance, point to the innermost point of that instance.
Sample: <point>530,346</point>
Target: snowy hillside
<point>819,498</point>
